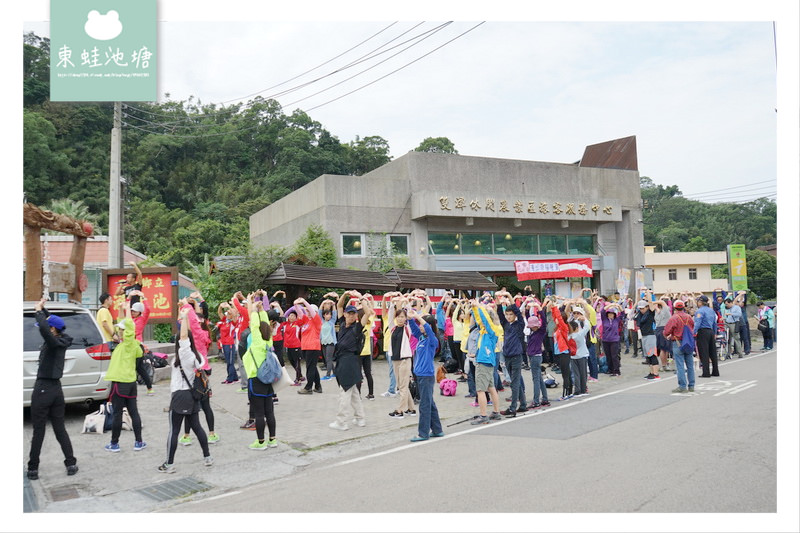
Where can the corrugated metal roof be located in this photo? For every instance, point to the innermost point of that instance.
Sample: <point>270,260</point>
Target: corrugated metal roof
<point>440,279</point>
<point>311,276</point>
<point>619,154</point>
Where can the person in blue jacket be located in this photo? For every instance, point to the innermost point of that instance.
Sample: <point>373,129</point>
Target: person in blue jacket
<point>429,424</point>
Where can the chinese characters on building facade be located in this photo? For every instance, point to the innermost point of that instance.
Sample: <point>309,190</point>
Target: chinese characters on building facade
<point>474,204</point>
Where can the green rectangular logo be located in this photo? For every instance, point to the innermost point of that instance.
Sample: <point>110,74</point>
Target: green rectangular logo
<point>103,50</point>
<point>737,266</point>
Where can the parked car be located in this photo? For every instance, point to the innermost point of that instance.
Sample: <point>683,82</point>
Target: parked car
<point>85,362</point>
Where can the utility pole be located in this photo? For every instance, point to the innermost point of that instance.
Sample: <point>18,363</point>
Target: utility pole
<point>114,204</point>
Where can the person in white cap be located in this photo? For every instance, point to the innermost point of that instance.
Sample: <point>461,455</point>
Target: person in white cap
<point>578,329</point>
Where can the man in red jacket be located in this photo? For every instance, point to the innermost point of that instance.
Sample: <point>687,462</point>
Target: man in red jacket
<point>673,331</point>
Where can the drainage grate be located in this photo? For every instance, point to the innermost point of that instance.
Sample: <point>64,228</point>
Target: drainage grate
<point>60,494</point>
<point>178,488</point>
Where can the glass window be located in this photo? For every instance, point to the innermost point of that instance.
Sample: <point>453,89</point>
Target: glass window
<point>508,243</point>
<point>692,273</point>
<point>476,243</point>
<point>580,244</point>
<point>400,243</point>
<point>673,274</point>
<point>79,326</point>
<point>444,243</point>
<point>352,244</point>
<point>552,244</point>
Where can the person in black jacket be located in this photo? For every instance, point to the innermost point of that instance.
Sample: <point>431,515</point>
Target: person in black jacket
<point>47,399</point>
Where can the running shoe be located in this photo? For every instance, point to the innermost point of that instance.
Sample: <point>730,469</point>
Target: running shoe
<point>360,423</point>
<point>167,468</point>
<point>150,392</point>
<point>369,396</point>
<point>112,447</point>
<point>480,420</point>
<point>250,424</point>
<point>208,461</point>
<point>411,412</point>
<point>272,443</point>
<point>139,445</point>
<point>213,439</point>
<point>495,416</point>
<point>186,441</point>
<point>396,414</point>
<point>336,425</point>
<point>258,446</point>
<point>388,394</point>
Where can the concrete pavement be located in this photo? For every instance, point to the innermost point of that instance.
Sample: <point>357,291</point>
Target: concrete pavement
<point>123,481</point>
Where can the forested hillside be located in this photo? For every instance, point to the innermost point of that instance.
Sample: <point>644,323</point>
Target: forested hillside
<point>194,173</point>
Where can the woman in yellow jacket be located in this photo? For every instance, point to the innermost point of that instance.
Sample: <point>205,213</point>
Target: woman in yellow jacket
<point>260,395</point>
<point>122,375</point>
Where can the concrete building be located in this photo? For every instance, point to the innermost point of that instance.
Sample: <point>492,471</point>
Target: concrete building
<point>459,213</point>
<point>684,271</point>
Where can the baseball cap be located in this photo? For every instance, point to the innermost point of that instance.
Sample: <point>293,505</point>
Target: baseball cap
<point>703,298</point>
<point>54,322</point>
<point>578,310</point>
<point>678,305</point>
<point>138,307</point>
<point>642,304</point>
<point>351,309</point>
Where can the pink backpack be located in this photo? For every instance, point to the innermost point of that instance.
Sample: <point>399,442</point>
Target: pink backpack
<point>447,387</point>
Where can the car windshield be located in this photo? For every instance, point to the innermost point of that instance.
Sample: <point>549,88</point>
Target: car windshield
<point>79,326</point>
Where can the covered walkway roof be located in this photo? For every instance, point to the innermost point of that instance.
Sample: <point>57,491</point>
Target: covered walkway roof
<point>440,279</point>
<point>340,278</point>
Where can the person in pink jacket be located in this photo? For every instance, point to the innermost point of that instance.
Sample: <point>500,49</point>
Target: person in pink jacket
<point>202,342</point>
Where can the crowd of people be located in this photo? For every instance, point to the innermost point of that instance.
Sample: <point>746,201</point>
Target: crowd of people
<point>487,341</point>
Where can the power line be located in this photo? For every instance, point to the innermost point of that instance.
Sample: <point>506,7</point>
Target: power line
<point>322,104</point>
<point>730,188</point>
<point>369,68</point>
<point>762,189</point>
<point>398,69</point>
<point>365,57</point>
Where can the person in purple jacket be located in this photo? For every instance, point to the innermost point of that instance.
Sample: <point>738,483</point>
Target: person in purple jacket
<point>536,331</point>
<point>611,315</point>
<point>429,424</point>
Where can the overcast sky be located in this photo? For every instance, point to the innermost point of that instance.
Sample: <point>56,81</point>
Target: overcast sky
<point>699,96</point>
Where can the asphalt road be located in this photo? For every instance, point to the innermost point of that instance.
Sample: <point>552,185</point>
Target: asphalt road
<point>636,449</point>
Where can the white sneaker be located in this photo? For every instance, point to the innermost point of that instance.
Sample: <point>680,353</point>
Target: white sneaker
<point>388,394</point>
<point>335,425</point>
<point>208,461</point>
<point>360,423</point>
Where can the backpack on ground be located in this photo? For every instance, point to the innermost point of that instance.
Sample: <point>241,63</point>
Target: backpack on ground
<point>448,387</point>
<point>549,380</point>
<point>450,365</point>
<point>441,373</point>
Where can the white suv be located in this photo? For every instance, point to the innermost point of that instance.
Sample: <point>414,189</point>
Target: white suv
<point>85,362</point>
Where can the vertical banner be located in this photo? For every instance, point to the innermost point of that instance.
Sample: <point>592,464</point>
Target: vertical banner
<point>737,267</point>
<point>640,286</point>
<point>623,282</point>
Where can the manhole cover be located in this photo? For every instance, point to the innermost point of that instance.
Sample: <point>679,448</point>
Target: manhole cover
<point>178,488</point>
<point>59,494</point>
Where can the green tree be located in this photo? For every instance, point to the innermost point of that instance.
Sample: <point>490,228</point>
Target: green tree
<point>36,69</point>
<point>762,270</point>
<point>367,154</point>
<point>382,255</point>
<point>75,209</point>
<point>696,244</point>
<point>316,245</point>
<point>439,145</point>
<point>253,269</point>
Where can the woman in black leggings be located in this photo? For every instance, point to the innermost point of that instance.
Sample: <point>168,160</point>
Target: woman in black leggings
<point>183,406</point>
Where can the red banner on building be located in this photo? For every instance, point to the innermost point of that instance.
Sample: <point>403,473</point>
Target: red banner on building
<point>157,288</point>
<point>553,269</point>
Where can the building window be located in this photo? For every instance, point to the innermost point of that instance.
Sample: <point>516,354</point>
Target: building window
<point>508,243</point>
<point>352,244</point>
<point>552,244</point>
<point>672,274</point>
<point>476,243</point>
<point>444,243</point>
<point>399,243</point>
<point>692,273</point>
<point>580,244</point>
